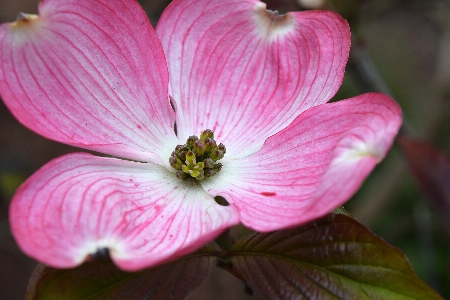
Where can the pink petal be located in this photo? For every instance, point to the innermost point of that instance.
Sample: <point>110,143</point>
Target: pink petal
<point>314,165</point>
<point>89,73</point>
<point>247,73</point>
<point>79,203</point>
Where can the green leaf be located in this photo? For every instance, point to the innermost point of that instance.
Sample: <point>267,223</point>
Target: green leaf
<point>103,280</point>
<point>334,257</point>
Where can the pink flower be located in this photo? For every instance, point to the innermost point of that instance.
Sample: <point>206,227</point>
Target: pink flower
<point>93,74</point>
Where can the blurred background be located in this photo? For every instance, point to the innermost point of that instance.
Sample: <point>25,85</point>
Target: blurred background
<point>400,47</point>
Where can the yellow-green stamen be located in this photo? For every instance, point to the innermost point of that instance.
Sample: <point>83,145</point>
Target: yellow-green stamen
<point>197,159</point>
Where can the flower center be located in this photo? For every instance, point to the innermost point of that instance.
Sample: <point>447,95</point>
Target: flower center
<point>197,159</point>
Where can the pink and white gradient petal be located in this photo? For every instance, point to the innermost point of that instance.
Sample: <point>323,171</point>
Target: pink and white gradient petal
<point>245,72</point>
<point>313,166</point>
<point>79,203</point>
<point>89,73</point>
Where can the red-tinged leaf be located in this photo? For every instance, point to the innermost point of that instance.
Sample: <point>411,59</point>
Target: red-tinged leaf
<point>431,168</point>
<point>334,257</point>
<point>103,280</point>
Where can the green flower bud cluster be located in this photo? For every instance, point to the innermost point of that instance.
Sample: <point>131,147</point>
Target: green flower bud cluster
<point>197,159</point>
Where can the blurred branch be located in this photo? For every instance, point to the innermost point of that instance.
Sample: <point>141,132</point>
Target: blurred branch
<point>364,72</point>
<point>368,79</point>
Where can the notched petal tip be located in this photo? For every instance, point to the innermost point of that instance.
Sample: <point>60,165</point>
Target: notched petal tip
<point>102,254</point>
<point>24,19</point>
<point>25,28</point>
<point>97,250</point>
<point>270,24</point>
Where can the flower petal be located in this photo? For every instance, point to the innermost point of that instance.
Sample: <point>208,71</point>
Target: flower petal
<point>89,73</point>
<point>312,166</point>
<point>246,72</point>
<point>79,203</point>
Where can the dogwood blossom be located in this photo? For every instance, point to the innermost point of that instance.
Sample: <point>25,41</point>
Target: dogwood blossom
<point>96,75</point>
